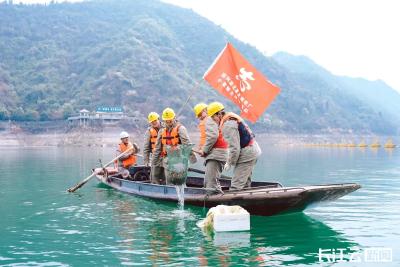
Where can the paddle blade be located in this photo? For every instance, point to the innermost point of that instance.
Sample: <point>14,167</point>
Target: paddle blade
<point>82,183</point>
<point>76,187</point>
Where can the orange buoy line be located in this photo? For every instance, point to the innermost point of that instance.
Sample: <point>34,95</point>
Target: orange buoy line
<point>352,144</point>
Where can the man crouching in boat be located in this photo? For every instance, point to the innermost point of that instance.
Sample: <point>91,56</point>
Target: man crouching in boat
<point>150,140</point>
<point>173,134</point>
<point>128,160</point>
<point>243,148</point>
<point>214,149</point>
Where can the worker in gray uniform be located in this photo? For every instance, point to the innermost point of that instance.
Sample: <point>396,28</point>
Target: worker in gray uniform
<point>215,150</point>
<point>242,146</point>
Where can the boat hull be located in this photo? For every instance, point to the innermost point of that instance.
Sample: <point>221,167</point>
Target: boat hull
<point>266,199</point>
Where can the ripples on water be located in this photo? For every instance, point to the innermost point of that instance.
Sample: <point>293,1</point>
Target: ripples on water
<point>42,225</point>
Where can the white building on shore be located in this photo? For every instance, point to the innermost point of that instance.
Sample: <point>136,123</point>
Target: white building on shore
<point>102,116</point>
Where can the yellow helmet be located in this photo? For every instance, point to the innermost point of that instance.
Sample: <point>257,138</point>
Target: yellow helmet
<point>199,108</point>
<point>214,107</point>
<point>168,114</point>
<point>152,117</point>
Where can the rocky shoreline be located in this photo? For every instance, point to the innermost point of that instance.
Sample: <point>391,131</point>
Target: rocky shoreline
<point>56,133</point>
<point>75,138</point>
<point>82,138</point>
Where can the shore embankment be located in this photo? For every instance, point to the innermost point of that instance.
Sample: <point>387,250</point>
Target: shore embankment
<point>110,137</point>
<point>60,133</point>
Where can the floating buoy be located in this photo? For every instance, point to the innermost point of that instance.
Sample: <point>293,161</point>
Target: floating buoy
<point>362,144</point>
<point>351,144</point>
<point>375,144</point>
<point>389,144</point>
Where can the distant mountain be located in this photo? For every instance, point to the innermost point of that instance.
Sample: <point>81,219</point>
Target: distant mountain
<point>377,94</point>
<point>145,55</point>
<point>375,97</point>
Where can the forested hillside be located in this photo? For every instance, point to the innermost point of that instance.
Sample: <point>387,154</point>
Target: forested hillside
<point>143,56</point>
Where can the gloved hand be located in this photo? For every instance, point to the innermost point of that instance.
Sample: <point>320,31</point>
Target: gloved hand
<point>202,154</point>
<point>227,166</point>
<point>192,158</point>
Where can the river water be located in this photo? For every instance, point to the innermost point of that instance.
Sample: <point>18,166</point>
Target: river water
<point>42,225</point>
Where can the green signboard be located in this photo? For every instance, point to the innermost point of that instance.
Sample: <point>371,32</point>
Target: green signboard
<point>109,109</point>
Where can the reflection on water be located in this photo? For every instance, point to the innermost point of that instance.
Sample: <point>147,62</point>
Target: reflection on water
<point>294,238</point>
<point>289,239</point>
<point>232,239</point>
<point>42,224</point>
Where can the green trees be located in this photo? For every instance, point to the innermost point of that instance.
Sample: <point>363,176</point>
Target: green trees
<point>145,55</point>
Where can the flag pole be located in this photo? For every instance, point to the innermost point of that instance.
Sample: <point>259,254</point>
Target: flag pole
<point>194,89</point>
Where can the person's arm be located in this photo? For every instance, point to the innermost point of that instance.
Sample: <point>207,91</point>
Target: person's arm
<point>146,148</point>
<point>231,135</point>
<point>183,135</point>
<point>211,136</point>
<point>125,156</point>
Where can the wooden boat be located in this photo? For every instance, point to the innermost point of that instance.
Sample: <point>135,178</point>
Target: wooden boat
<point>262,198</point>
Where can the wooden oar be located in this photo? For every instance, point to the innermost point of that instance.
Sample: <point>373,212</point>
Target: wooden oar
<point>203,172</point>
<point>84,181</point>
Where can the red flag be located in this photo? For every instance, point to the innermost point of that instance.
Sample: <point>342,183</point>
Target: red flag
<point>235,78</point>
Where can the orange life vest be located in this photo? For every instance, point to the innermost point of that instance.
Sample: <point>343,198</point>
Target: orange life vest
<point>170,138</point>
<point>153,138</point>
<point>246,135</point>
<point>202,129</point>
<point>220,143</point>
<point>131,160</point>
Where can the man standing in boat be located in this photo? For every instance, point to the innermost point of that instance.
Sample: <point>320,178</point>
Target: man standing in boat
<point>200,111</point>
<point>215,149</point>
<point>173,134</point>
<point>243,148</point>
<point>128,160</point>
<point>150,139</point>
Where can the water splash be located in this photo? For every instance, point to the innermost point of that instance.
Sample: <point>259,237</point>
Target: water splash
<point>180,191</point>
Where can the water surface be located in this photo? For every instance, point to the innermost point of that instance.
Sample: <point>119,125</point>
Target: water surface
<point>42,225</point>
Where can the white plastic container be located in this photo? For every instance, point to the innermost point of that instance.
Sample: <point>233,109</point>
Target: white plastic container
<point>225,222</point>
